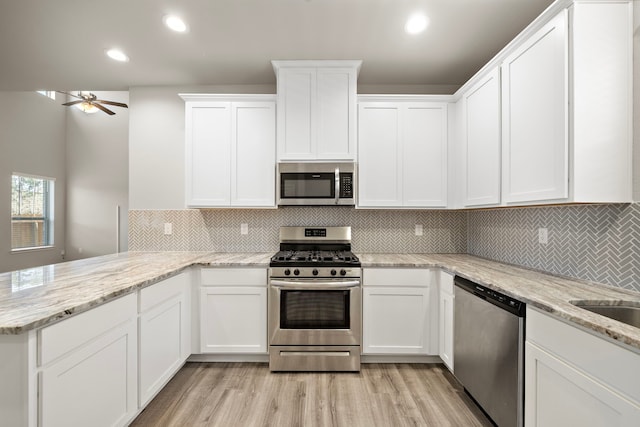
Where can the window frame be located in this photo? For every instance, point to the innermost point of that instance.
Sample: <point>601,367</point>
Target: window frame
<point>48,217</point>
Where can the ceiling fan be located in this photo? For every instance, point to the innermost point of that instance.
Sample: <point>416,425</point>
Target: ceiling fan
<point>89,103</point>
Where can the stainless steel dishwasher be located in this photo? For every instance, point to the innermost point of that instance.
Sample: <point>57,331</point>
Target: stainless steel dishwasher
<point>489,350</point>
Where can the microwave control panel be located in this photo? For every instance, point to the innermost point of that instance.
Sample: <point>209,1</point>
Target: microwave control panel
<point>346,185</point>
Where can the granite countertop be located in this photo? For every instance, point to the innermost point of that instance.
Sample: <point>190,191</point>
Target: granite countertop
<point>548,293</point>
<point>36,297</point>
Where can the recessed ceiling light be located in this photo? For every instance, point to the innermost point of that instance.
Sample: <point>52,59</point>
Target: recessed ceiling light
<point>117,54</point>
<point>416,23</point>
<point>175,23</point>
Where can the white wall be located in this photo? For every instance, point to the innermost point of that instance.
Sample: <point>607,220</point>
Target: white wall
<point>156,143</point>
<point>97,153</point>
<point>32,141</point>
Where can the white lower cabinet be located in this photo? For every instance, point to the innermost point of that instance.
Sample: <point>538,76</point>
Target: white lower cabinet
<point>574,378</point>
<point>398,312</point>
<point>233,310</point>
<point>89,367</point>
<point>165,333</point>
<point>445,320</point>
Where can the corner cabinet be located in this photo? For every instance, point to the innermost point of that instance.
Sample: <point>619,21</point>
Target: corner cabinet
<point>399,312</point>
<point>316,109</point>
<point>482,142</point>
<point>575,378</point>
<point>402,152</point>
<point>566,97</point>
<point>230,150</point>
<point>233,310</point>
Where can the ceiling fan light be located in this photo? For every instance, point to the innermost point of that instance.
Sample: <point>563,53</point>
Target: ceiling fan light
<point>87,107</point>
<point>117,55</point>
<point>175,23</point>
<point>416,23</point>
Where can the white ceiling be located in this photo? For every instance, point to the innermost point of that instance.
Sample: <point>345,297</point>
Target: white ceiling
<point>59,44</point>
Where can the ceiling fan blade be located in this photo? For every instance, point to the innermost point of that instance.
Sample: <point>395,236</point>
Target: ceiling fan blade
<point>100,107</point>
<point>73,103</point>
<point>117,104</point>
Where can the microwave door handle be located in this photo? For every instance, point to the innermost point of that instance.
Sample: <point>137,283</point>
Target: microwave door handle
<point>337,183</point>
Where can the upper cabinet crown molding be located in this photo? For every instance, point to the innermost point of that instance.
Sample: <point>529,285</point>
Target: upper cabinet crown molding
<point>316,109</point>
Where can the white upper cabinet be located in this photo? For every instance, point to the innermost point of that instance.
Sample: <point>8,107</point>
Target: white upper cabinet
<point>402,153</point>
<point>481,142</point>
<point>567,107</point>
<point>316,109</point>
<point>535,97</point>
<point>230,151</point>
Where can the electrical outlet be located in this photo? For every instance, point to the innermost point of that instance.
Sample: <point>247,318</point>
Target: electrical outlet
<point>543,236</point>
<point>419,230</point>
<point>244,229</point>
<point>168,228</point>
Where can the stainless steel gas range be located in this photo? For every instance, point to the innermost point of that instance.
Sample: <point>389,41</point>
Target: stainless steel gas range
<point>315,301</point>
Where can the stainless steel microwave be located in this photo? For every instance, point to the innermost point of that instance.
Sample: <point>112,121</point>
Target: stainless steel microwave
<point>316,184</point>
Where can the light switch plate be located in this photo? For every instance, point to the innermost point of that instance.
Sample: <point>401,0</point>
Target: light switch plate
<point>244,228</point>
<point>168,228</point>
<point>419,230</point>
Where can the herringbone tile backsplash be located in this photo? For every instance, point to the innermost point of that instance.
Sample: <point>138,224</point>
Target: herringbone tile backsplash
<point>372,230</point>
<point>599,243</point>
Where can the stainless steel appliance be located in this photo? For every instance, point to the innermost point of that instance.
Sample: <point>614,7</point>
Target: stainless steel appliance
<point>316,184</point>
<point>315,301</point>
<point>489,350</point>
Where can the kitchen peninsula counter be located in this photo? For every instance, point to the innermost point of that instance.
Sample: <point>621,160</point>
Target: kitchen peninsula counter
<point>36,297</point>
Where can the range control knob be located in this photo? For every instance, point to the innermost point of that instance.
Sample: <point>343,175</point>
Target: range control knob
<point>296,272</point>
<point>315,272</point>
<point>287,272</point>
<point>343,272</point>
<point>333,272</point>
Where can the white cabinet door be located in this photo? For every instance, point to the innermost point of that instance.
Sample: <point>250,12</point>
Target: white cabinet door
<point>253,154</point>
<point>424,155</point>
<point>558,395</point>
<point>336,113</point>
<point>233,319</point>
<point>230,152</point>
<point>379,155</point>
<point>535,116</point>
<point>94,382</point>
<point>481,142</point>
<point>445,323</point>
<point>208,150</point>
<point>396,320</point>
<point>296,104</point>
<point>165,333</point>
<point>402,154</point>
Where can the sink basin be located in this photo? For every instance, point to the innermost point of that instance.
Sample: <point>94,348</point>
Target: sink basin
<point>628,313</point>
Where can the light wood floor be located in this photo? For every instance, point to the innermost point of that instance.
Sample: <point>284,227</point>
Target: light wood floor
<point>247,394</point>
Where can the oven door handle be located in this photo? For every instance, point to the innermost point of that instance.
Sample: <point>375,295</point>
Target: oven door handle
<point>315,285</point>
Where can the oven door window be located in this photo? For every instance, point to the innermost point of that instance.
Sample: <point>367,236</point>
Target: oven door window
<point>307,186</point>
<point>311,309</point>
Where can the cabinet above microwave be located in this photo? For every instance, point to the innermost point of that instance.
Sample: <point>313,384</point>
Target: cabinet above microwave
<point>316,109</point>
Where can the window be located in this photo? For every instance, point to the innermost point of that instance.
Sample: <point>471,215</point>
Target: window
<point>48,93</point>
<point>31,212</point>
